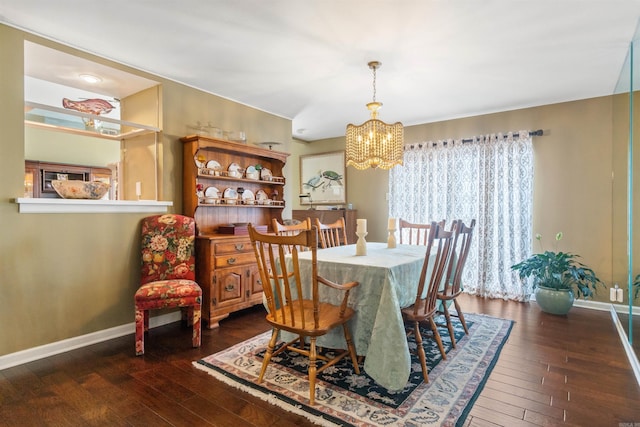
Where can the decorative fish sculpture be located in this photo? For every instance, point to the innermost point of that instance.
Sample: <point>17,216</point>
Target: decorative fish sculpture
<point>92,106</point>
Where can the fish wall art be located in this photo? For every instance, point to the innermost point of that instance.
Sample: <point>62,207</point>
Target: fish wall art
<point>92,106</point>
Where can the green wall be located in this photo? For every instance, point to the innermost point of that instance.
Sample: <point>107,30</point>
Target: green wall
<point>65,275</point>
<point>573,190</point>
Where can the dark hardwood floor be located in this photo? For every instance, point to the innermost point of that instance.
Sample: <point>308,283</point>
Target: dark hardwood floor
<point>553,371</point>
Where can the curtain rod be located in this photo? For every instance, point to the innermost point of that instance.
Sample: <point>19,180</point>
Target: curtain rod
<point>538,132</point>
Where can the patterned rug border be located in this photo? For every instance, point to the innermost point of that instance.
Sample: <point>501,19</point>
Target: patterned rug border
<point>325,419</point>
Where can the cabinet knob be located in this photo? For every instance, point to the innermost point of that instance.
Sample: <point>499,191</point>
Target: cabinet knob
<point>229,288</point>
<point>239,246</point>
<point>231,261</point>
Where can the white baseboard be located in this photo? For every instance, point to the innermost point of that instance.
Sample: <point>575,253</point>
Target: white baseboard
<point>602,306</point>
<point>605,306</point>
<point>631,355</point>
<point>40,352</point>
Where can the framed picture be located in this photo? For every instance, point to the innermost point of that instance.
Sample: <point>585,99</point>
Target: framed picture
<point>322,177</point>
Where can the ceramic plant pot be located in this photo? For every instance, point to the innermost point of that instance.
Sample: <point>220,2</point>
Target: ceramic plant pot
<point>554,301</point>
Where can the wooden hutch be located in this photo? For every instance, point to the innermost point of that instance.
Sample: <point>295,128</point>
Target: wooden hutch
<point>226,268</point>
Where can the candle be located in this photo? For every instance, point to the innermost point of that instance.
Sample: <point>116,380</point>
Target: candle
<point>392,223</point>
<point>361,226</point>
<point>138,188</point>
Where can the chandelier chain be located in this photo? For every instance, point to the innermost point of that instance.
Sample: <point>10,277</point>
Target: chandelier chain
<point>374,83</point>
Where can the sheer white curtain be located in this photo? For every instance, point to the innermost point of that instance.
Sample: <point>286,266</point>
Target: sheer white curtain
<point>489,178</point>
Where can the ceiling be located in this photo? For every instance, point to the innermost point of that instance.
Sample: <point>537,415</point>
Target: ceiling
<point>307,60</point>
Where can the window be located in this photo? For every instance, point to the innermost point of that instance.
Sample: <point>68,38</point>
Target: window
<point>488,178</point>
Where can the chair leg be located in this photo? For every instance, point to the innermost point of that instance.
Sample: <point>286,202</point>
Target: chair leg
<point>351,347</point>
<point>421,355</point>
<point>461,316</point>
<point>449,324</point>
<point>140,317</point>
<point>146,320</point>
<point>436,336</point>
<point>267,356</point>
<point>194,315</point>
<point>312,370</point>
<point>186,315</point>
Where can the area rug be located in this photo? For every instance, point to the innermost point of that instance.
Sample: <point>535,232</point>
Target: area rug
<point>346,399</point>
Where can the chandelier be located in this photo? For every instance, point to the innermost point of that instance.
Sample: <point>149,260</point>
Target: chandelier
<point>374,144</point>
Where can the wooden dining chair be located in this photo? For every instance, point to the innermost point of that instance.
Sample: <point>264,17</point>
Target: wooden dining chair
<point>414,233</point>
<point>293,301</point>
<point>291,229</point>
<point>334,234</point>
<point>424,309</point>
<point>453,285</point>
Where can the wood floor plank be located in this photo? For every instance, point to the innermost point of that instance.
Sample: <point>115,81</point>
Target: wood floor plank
<point>565,371</point>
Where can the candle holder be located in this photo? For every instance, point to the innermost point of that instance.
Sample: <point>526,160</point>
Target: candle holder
<point>391,240</point>
<point>361,244</point>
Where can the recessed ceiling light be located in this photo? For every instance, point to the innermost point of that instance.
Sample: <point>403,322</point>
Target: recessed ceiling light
<point>90,78</point>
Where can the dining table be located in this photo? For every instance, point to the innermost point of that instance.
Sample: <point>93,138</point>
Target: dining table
<point>388,281</point>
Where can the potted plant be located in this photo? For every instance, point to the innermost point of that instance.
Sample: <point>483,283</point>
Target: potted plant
<point>557,277</point>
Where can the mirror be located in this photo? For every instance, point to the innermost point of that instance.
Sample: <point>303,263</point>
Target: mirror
<point>626,205</point>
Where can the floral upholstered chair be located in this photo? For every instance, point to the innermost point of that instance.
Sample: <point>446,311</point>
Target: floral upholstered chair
<point>168,272</point>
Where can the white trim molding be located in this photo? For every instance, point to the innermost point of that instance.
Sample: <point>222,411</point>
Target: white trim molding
<point>40,205</point>
<point>631,354</point>
<point>40,352</point>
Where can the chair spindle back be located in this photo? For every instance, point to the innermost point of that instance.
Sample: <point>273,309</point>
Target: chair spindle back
<point>333,234</point>
<point>281,283</point>
<point>437,259</point>
<point>461,245</point>
<point>414,233</point>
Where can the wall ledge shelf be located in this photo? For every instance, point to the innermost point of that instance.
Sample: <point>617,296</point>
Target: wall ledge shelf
<point>41,205</point>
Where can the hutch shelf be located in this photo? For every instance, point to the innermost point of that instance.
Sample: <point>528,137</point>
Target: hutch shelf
<point>223,193</point>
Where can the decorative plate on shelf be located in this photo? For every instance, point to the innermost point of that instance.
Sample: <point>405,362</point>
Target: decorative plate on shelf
<point>211,192</point>
<point>212,164</point>
<point>252,173</point>
<point>248,198</point>
<point>261,197</point>
<point>235,171</point>
<point>265,174</point>
<point>200,160</point>
<point>230,195</point>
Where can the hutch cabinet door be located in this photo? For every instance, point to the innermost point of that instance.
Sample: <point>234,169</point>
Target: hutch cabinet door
<point>227,286</point>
